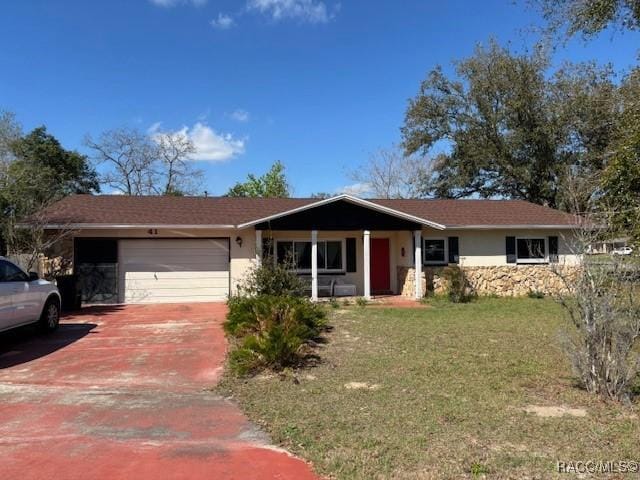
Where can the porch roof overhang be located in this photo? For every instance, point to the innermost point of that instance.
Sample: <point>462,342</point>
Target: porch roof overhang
<point>302,217</point>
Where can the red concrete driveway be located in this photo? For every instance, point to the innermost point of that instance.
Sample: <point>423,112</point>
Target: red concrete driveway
<point>124,393</point>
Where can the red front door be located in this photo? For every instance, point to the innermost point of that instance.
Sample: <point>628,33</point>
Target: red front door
<point>380,269</point>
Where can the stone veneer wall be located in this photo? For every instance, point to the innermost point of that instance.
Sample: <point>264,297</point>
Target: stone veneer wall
<point>503,280</point>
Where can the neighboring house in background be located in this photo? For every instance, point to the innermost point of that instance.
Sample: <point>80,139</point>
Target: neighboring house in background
<point>608,246</point>
<point>190,249</point>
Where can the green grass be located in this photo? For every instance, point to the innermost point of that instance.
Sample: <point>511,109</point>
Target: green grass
<point>449,386</point>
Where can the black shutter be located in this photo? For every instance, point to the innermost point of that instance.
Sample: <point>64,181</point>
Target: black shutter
<point>351,254</point>
<point>511,250</point>
<point>553,249</point>
<point>454,255</point>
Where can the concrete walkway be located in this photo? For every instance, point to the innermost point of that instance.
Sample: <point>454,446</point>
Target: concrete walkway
<point>124,393</point>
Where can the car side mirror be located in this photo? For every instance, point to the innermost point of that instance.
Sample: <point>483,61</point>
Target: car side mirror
<point>33,276</point>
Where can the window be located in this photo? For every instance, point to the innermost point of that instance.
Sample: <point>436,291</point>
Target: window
<point>11,273</point>
<point>531,250</point>
<point>330,254</point>
<point>434,250</point>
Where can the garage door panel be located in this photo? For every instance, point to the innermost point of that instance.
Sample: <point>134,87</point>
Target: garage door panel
<point>177,257</point>
<point>174,271</point>
<point>199,268</point>
<point>210,251</point>
<point>176,297</point>
<point>178,243</point>
<point>177,283</point>
<point>175,275</point>
<point>142,299</point>
<point>176,292</point>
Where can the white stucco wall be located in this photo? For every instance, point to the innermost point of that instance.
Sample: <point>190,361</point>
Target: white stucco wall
<point>477,247</point>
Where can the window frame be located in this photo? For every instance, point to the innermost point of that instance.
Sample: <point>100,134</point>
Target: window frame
<point>343,247</point>
<point>524,261</point>
<point>445,260</point>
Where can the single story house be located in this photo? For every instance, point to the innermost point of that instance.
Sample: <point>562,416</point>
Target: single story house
<point>190,249</point>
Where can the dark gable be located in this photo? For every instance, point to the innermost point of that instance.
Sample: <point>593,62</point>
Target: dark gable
<point>339,215</point>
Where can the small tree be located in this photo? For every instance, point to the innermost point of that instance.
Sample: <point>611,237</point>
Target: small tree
<point>271,184</point>
<point>272,278</point>
<point>602,302</point>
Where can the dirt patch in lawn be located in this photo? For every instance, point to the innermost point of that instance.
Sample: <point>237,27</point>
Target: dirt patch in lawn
<point>361,386</point>
<point>557,411</point>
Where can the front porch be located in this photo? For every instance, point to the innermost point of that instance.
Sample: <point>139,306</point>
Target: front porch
<point>348,263</point>
<point>350,241</point>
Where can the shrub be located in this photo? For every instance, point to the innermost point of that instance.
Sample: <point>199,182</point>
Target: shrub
<point>456,285</point>
<point>334,303</point>
<point>271,278</point>
<point>249,315</point>
<point>605,311</point>
<point>535,294</point>
<point>269,331</point>
<point>361,302</point>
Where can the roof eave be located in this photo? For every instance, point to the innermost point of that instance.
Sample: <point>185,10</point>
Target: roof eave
<point>98,226</point>
<point>513,227</point>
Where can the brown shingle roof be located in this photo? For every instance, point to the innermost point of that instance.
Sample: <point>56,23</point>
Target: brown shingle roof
<point>481,212</point>
<point>204,211</point>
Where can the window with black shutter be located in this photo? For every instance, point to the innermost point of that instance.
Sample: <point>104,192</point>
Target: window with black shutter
<point>351,255</point>
<point>454,254</point>
<point>553,249</point>
<point>511,250</point>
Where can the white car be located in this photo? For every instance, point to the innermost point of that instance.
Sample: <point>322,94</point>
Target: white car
<point>622,251</point>
<point>25,299</point>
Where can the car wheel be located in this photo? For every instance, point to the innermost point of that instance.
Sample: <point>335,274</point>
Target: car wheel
<point>50,318</point>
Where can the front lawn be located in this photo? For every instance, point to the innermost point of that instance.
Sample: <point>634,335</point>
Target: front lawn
<point>440,392</point>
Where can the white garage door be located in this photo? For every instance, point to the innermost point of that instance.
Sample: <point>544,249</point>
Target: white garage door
<point>173,271</point>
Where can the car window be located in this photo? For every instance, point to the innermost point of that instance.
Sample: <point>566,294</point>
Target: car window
<point>10,273</point>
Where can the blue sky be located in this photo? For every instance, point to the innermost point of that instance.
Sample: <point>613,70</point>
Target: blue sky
<point>315,84</point>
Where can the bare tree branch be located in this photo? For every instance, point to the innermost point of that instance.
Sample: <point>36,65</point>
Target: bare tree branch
<point>391,174</point>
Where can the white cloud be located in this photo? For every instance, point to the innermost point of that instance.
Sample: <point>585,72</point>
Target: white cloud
<point>240,115</point>
<point>154,128</point>
<point>223,22</point>
<point>309,11</point>
<point>356,189</point>
<point>209,145</point>
<point>175,3</point>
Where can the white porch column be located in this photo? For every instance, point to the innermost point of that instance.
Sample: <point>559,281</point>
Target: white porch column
<point>417,238</point>
<point>367,264</point>
<point>314,265</point>
<point>258,247</point>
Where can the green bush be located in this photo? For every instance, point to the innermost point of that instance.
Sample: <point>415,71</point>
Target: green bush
<point>535,294</point>
<point>249,315</point>
<point>269,331</point>
<point>361,302</point>
<point>272,278</point>
<point>456,285</point>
